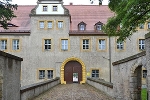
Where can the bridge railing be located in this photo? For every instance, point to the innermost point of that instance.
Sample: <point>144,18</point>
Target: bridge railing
<point>31,91</point>
<point>102,85</point>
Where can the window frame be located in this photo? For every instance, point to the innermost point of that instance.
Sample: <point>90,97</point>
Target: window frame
<point>140,45</point>
<point>43,77</point>
<point>45,9</point>
<point>68,46</point>
<point>95,74</point>
<point>46,74</point>
<point>52,75</point>
<point>58,25</point>
<point>43,44</point>
<point>119,44</point>
<point>51,25</point>
<point>144,75</point>
<point>39,25</point>
<point>6,44</point>
<point>82,26</point>
<point>54,7</point>
<point>98,44</point>
<point>18,44</point>
<point>89,44</point>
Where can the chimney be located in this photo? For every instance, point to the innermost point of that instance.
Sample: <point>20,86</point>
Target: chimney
<point>71,3</point>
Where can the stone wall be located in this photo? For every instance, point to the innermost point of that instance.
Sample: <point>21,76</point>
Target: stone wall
<point>10,67</point>
<point>127,77</point>
<point>102,85</point>
<point>33,90</point>
<point>147,43</point>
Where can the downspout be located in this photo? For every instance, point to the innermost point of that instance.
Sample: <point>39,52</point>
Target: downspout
<point>110,59</point>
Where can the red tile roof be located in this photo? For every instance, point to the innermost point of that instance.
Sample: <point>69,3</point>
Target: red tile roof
<point>89,14</point>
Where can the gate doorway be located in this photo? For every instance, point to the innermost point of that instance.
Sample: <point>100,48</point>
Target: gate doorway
<point>136,83</point>
<point>73,72</point>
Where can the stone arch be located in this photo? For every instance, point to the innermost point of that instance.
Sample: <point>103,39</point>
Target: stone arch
<point>136,65</point>
<point>73,59</point>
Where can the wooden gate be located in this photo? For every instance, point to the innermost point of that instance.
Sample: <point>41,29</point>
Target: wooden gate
<point>72,67</point>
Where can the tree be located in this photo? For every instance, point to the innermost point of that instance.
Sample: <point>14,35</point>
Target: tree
<point>6,13</point>
<point>128,15</point>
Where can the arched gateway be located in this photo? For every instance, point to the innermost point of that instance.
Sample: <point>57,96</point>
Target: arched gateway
<point>73,70</point>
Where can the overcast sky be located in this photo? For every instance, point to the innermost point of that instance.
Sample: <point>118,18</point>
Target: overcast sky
<point>66,2</point>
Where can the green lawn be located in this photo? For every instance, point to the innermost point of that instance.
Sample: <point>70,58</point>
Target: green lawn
<point>144,94</point>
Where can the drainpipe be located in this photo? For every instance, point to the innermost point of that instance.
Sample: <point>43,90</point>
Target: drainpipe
<point>110,59</point>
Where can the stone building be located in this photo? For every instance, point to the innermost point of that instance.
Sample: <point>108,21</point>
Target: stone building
<point>66,41</point>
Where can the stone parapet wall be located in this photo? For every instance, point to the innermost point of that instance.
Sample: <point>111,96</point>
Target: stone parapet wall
<point>102,85</point>
<point>31,91</point>
<point>147,46</point>
<point>10,67</point>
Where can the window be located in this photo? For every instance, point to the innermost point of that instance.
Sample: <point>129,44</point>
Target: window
<point>15,44</point>
<point>85,44</point>
<point>54,8</point>
<point>47,44</point>
<point>95,73</point>
<point>141,26</point>
<point>41,74</point>
<point>148,25</point>
<point>49,74</point>
<point>120,45</point>
<point>41,24</point>
<point>81,26</point>
<point>98,26</point>
<point>3,44</point>
<point>45,8</point>
<point>102,44</point>
<point>50,24</point>
<point>60,24</point>
<point>144,73</point>
<point>141,44</point>
<point>64,44</point>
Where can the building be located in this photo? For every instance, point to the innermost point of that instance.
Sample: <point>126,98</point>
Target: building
<point>66,41</point>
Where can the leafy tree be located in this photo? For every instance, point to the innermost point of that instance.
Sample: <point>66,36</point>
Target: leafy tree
<point>128,15</point>
<point>6,13</point>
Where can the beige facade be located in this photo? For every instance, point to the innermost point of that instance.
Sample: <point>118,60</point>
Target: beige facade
<point>57,27</point>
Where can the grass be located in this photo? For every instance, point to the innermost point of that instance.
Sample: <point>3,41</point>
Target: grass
<point>144,94</point>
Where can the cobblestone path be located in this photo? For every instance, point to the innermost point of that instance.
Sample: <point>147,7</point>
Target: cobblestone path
<point>73,92</point>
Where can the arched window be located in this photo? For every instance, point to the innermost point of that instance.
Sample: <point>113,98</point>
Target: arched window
<point>82,26</point>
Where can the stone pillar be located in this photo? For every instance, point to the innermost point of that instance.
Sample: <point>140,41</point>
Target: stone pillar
<point>147,44</point>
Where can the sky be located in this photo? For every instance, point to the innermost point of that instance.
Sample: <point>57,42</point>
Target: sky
<point>66,2</point>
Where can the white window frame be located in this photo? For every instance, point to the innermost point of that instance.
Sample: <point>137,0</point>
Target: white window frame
<point>47,44</point>
<point>45,8</point>
<point>98,27</point>
<point>15,44</point>
<point>3,44</point>
<point>49,24</point>
<point>41,24</point>
<point>85,44</point>
<point>102,44</point>
<point>50,74</point>
<point>120,45</point>
<point>64,44</point>
<point>81,27</point>
<point>60,24</point>
<point>41,74</point>
<point>55,8</point>
<point>94,73</point>
<point>141,44</point>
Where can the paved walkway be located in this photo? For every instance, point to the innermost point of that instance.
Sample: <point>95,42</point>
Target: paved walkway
<point>73,92</point>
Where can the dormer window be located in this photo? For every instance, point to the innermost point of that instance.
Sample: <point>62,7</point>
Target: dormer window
<point>54,8</point>
<point>98,26</point>
<point>45,8</point>
<point>82,26</point>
